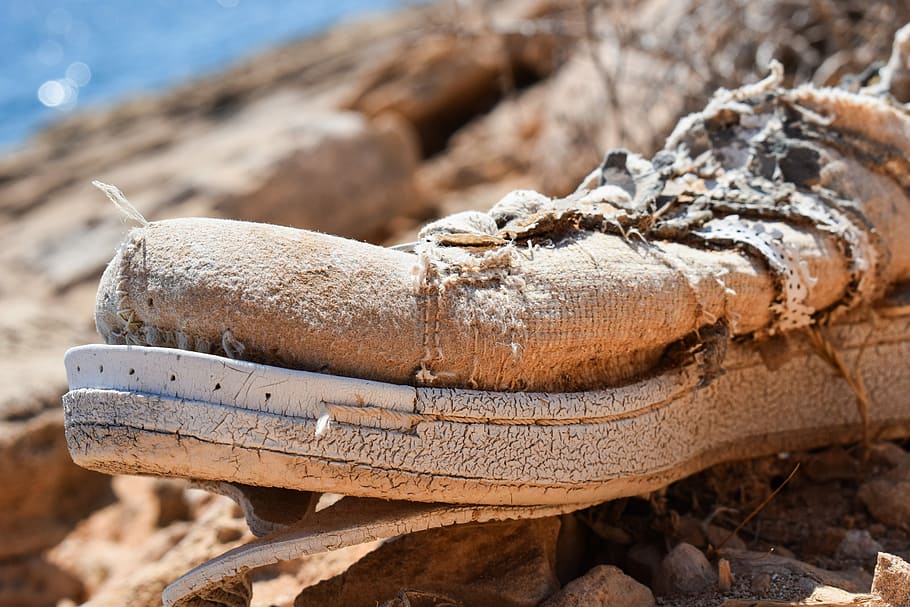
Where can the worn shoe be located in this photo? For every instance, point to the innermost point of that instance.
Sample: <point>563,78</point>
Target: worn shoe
<point>668,315</point>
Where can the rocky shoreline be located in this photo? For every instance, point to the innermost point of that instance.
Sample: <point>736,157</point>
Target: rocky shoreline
<point>388,123</point>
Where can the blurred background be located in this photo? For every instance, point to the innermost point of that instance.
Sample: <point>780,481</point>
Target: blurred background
<point>76,54</point>
<point>362,118</point>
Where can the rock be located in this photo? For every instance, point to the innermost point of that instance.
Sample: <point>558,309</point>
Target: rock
<point>858,544</point>
<point>807,585</point>
<point>831,464</point>
<point>829,595</point>
<point>216,531</point>
<point>603,585</point>
<point>341,175</point>
<point>93,561</point>
<point>436,83</point>
<point>892,580</point>
<point>579,121</point>
<point>724,575</point>
<point>888,454</point>
<point>685,570</point>
<point>441,81</point>
<point>826,540</point>
<point>749,565</point>
<point>34,582</point>
<point>127,535</point>
<point>490,150</point>
<point>899,473</point>
<point>761,583</point>
<point>888,501</point>
<point>42,493</point>
<point>507,564</point>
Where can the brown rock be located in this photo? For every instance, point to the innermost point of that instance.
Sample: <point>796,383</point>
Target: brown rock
<point>685,570</point>
<point>900,472</point>
<point>126,535</point>
<point>579,124</point>
<point>489,150</point>
<point>344,176</point>
<point>888,454</point>
<point>34,582</point>
<point>501,564</point>
<point>892,580</point>
<point>436,83</point>
<point>831,464</point>
<point>216,531</point>
<point>754,566</point>
<point>603,585</point>
<point>724,575</point>
<point>439,82</point>
<point>829,595</point>
<point>42,493</point>
<point>761,583</point>
<point>887,500</point>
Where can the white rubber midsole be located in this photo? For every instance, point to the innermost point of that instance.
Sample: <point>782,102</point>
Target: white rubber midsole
<point>178,413</point>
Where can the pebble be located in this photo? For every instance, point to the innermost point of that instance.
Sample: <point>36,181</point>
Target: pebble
<point>603,585</point>
<point>724,575</point>
<point>892,580</point>
<point>761,584</point>
<point>858,544</point>
<point>888,454</point>
<point>685,570</point>
<point>888,501</point>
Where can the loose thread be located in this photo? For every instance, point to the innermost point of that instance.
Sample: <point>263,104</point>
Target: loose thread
<point>759,508</point>
<point>125,206</point>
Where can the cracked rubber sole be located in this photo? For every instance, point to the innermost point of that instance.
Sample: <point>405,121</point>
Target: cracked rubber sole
<point>143,410</point>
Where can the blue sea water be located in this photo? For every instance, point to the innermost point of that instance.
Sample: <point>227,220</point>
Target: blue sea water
<point>57,56</point>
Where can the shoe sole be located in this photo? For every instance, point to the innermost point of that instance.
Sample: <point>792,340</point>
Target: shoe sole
<point>177,413</point>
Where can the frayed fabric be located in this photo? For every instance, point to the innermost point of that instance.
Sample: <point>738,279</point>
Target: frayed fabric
<point>770,211</point>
